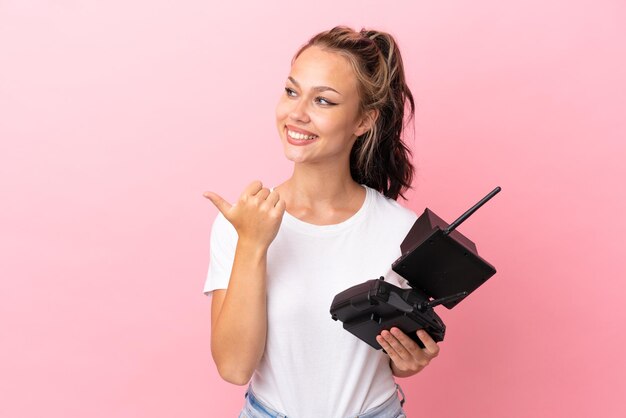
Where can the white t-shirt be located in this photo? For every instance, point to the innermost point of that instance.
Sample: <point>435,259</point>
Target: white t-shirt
<point>312,367</point>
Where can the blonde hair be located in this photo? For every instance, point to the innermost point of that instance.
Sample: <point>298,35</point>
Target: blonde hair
<point>379,159</point>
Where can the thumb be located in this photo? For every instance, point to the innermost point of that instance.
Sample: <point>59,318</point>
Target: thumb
<point>221,204</point>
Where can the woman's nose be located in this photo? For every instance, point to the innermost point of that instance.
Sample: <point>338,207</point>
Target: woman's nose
<point>299,111</point>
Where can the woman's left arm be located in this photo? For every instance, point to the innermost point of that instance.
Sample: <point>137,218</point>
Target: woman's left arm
<point>407,358</point>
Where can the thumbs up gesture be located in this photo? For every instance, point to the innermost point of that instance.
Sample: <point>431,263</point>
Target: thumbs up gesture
<point>256,216</point>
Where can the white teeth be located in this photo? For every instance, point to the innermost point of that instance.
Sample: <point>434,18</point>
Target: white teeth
<point>298,135</point>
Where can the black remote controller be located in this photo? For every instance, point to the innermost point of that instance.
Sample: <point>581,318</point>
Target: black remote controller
<point>371,307</point>
<point>442,267</point>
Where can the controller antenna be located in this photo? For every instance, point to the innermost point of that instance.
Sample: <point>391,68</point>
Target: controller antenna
<point>424,306</point>
<point>471,210</point>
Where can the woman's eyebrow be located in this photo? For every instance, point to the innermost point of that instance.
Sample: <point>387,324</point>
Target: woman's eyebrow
<point>318,88</point>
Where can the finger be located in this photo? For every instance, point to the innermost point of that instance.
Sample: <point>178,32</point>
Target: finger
<point>262,194</point>
<point>280,207</point>
<point>273,198</point>
<point>387,347</point>
<point>430,346</point>
<point>397,346</point>
<point>220,203</point>
<point>252,188</point>
<point>411,346</point>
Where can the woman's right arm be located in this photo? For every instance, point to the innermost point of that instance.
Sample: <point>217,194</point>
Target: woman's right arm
<point>239,314</point>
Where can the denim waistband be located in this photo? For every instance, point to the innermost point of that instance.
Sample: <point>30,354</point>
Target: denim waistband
<point>391,408</point>
<point>254,408</point>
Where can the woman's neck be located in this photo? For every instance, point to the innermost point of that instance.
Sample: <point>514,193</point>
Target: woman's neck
<point>321,196</point>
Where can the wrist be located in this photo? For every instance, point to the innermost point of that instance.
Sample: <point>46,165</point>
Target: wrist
<point>252,248</point>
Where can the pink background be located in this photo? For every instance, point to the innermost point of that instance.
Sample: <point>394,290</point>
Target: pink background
<point>115,117</point>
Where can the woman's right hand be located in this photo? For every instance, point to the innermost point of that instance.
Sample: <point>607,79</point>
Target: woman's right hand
<point>257,214</point>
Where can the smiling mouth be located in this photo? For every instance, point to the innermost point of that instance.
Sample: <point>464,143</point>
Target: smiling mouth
<point>299,136</point>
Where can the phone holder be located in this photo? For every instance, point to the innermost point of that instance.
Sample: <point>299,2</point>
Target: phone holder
<point>442,267</point>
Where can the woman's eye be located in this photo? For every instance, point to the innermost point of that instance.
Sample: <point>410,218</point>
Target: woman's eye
<point>290,92</point>
<point>323,101</point>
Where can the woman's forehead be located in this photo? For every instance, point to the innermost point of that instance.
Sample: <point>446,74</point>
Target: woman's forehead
<point>319,67</point>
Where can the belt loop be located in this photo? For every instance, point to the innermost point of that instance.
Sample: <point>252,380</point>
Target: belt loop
<point>402,393</point>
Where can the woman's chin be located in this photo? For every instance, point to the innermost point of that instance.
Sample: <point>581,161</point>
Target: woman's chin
<point>296,159</point>
<point>295,155</point>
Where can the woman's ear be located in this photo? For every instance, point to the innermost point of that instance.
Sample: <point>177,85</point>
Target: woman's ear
<point>368,120</point>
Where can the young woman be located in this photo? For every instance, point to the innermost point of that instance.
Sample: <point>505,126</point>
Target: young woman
<point>279,256</point>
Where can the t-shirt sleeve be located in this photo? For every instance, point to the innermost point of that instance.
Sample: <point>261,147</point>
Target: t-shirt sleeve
<point>222,253</point>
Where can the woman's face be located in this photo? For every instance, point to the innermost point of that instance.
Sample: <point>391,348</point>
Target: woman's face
<point>318,114</point>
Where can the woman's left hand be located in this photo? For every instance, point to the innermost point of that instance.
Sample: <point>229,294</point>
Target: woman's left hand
<point>407,358</point>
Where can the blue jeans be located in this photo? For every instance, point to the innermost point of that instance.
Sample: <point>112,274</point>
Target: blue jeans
<point>391,408</point>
